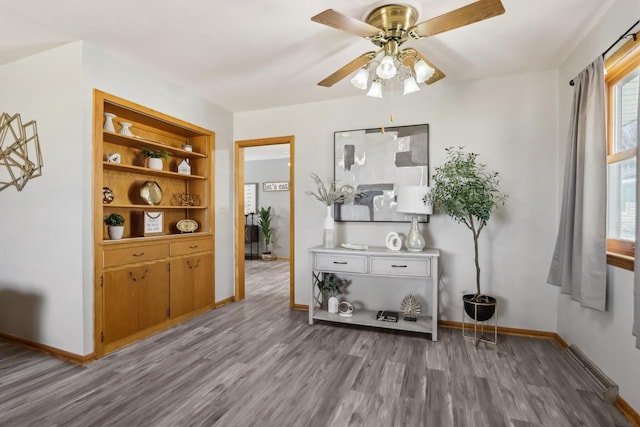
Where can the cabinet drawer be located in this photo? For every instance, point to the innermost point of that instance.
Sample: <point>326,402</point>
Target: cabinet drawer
<point>390,266</point>
<point>191,247</point>
<point>346,263</point>
<point>135,254</point>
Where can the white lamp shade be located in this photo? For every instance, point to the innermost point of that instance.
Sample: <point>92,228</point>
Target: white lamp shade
<point>387,68</point>
<point>410,200</point>
<point>361,79</point>
<point>410,85</point>
<point>376,90</point>
<point>423,71</point>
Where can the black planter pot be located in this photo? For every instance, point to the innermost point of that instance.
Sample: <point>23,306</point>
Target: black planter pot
<point>482,310</point>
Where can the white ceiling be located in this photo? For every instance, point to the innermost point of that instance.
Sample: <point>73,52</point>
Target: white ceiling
<point>255,54</point>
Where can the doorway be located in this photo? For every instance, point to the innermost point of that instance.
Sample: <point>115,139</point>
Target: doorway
<point>239,212</point>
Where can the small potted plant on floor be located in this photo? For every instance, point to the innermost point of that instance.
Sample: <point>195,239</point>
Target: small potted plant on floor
<point>466,191</point>
<point>331,286</point>
<point>264,222</point>
<point>115,223</point>
<point>154,158</point>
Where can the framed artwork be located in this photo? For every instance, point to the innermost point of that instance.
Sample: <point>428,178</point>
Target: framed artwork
<point>250,198</point>
<point>374,162</point>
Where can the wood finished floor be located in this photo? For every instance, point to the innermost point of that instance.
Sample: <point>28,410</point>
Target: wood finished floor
<point>257,363</point>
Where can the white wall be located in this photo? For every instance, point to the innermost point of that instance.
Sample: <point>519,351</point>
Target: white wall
<point>605,337</point>
<point>46,261</point>
<point>511,121</point>
<point>41,263</point>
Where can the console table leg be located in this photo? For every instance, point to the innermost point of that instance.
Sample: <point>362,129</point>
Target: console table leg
<point>311,300</point>
<point>434,317</point>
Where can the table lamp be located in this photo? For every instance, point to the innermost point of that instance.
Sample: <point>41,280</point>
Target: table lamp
<point>410,201</point>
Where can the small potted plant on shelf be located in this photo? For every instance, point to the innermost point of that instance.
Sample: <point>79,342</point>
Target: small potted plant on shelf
<point>264,222</point>
<point>466,191</point>
<point>115,222</point>
<point>331,286</point>
<point>154,157</point>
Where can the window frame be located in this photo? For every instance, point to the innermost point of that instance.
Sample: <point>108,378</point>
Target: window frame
<point>620,252</point>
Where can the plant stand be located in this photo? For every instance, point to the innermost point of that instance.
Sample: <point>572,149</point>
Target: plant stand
<point>477,331</point>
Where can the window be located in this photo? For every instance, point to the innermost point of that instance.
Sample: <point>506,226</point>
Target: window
<point>623,84</point>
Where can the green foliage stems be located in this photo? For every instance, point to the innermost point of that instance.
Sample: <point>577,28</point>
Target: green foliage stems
<point>331,284</point>
<point>114,219</point>
<point>466,191</point>
<point>155,154</point>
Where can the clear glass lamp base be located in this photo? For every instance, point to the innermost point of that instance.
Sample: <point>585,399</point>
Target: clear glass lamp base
<point>415,241</point>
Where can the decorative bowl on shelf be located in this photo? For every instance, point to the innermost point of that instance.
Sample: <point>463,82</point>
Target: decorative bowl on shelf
<point>187,226</point>
<point>151,193</point>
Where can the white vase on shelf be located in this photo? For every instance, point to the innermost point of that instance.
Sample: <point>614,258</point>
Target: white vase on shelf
<point>108,122</point>
<point>124,129</point>
<point>332,305</point>
<point>155,163</point>
<point>329,230</point>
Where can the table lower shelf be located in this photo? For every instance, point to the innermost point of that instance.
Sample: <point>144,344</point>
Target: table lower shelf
<point>368,318</point>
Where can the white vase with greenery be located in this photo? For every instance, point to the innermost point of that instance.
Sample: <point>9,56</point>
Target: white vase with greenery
<point>328,196</point>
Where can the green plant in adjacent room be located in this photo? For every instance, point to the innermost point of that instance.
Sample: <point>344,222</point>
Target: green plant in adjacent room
<point>264,221</point>
<point>465,190</point>
<point>114,220</point>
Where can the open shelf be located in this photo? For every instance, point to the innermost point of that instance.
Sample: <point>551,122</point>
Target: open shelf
<point>147,207</point>
<point>137,142</point>
<point>368,318</point>
<point>146,171</point>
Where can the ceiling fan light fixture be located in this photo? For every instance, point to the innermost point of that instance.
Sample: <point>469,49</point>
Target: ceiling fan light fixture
<point>423,71</point>
<point>361,79</point>
<point>375,91</point>
<point>387,69</point>
<point>410,85</point>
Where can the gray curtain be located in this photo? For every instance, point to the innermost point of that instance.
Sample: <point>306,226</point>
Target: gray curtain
<point>579,264</point>
<point>636,276</point>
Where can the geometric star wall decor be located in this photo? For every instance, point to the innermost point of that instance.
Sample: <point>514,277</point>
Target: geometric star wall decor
<point>20,155</point>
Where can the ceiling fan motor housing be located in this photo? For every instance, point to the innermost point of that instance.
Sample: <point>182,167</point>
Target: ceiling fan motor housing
<point>394,20</point>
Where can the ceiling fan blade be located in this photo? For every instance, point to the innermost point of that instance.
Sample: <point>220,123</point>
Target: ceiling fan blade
<point>352,66</point>
<point>474,12</point>
<point>335,19</point>
<point>408,59</point>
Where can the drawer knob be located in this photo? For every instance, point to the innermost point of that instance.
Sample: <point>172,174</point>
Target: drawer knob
<point>398,266</point>
<point>140,254</point>
<point>340,262</point>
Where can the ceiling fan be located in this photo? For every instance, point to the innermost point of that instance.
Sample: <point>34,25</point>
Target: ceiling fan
<point>388,26</point>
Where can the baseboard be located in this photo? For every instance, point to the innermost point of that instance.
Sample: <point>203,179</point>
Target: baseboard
<point>61,354</point>
<point>301,307</point>
<point>225,301</point>
<point>627,411</point>
<point>532,333</point>
<point>281,259</point>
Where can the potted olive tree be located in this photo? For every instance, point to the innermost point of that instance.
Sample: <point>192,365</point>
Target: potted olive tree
<point>115,223</point>
<point>264,222</point>
<point>466,191</point>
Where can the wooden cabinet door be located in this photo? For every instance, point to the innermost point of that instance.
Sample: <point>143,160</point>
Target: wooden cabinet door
<point>203,289</point>
<point>153,293</point>
<point>181,286</point>
<point>120,302</point>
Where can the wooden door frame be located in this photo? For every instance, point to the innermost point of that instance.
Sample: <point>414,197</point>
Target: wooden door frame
<point>238,156</point>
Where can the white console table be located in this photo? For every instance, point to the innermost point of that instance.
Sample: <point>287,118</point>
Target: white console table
<point>377,262</point>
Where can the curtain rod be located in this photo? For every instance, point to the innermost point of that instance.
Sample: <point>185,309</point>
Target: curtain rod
<point>625,34</point>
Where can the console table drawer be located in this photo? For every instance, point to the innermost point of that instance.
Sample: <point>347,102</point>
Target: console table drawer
<point>344,263</point>
<point>384,266</point>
